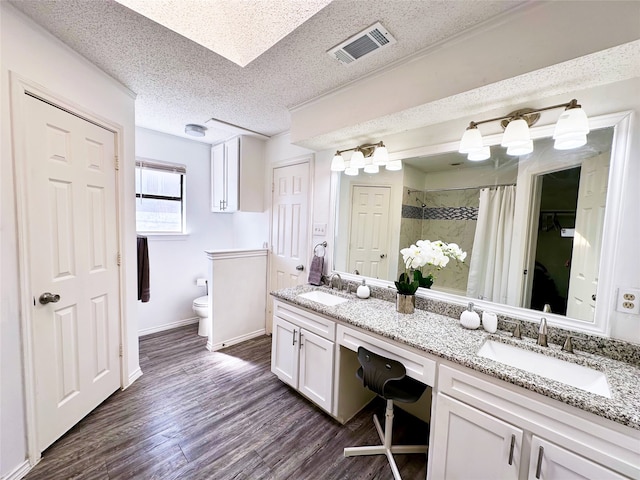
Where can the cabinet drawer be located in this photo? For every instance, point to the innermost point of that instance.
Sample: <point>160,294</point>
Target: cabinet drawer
<point>417,366</point>
<point>305,319</point>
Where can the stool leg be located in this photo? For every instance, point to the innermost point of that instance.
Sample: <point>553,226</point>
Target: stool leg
<point>388,424</point>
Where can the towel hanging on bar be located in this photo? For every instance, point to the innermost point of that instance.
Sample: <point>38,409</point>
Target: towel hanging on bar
<point>144,292</point>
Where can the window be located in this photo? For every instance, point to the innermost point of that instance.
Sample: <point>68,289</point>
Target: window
<point>160,192</point>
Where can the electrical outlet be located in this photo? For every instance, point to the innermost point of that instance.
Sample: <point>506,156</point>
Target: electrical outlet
<point>319,228</point>
<point>628,300</point>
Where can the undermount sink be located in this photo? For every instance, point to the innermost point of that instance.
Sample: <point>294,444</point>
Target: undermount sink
<point>569,373</point>
<point>324,298</point>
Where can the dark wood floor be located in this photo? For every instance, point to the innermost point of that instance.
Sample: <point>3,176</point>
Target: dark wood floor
<point>201,415</point>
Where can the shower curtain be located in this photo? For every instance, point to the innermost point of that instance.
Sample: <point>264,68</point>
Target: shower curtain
<point>489,266</point>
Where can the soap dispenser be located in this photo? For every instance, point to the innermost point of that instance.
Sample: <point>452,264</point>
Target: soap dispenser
<point>469,318</point>
<point>363,290</point>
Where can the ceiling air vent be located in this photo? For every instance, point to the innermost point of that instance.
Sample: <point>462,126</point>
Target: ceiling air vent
<point>369,40</point>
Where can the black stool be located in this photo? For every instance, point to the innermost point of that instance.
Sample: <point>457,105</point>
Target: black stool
<point>387,378</point>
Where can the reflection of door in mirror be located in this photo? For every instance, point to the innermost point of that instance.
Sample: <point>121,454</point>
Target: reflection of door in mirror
<point>369,230</point>
<point>592,197</point>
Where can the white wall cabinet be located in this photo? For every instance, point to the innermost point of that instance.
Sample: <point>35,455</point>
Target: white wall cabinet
<point>490,431</point>
<point>302,358</point>
<point>237,175</point>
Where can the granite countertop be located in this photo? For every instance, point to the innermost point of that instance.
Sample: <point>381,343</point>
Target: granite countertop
<point>444,337</point>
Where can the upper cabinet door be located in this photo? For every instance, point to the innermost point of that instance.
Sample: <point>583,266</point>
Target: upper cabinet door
<point>233,174</point>
<point>218,158</point>
<point>237,175</point>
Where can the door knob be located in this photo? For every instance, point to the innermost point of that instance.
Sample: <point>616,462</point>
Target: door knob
<point>47,297</point>
<point>593,297</point>
<point>382,255</point>
<point>300,268</point>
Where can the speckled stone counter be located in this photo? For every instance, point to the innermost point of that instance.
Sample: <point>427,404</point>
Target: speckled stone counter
<point>443,337</point>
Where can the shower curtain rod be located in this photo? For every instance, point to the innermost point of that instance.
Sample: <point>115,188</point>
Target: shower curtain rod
<point>466,188</point>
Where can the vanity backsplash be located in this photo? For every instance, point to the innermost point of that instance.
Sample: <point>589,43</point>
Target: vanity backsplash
<point>598,345</point>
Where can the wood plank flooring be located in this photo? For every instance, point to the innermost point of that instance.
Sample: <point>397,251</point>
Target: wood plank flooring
<point>195,414</point>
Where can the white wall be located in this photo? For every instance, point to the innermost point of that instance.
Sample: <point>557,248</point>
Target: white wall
<point>176,261</point>
<point>38,57</point>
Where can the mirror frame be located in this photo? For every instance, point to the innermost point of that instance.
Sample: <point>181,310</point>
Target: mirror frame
<point>620,154</point>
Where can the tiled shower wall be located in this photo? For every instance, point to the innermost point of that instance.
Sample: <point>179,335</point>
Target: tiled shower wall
<point>450,216</point>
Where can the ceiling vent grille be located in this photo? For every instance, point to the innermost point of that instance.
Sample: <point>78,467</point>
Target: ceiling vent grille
<point>369,40</point>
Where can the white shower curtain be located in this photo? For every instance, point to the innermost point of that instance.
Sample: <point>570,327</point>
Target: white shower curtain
<point>489,266</point>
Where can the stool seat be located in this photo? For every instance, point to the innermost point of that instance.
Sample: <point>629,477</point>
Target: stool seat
<point>387,378</point>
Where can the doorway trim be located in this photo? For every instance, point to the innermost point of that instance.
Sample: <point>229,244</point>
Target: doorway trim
<point>19,89</point>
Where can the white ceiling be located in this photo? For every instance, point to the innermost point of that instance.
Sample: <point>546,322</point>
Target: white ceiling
<point>178,81</point>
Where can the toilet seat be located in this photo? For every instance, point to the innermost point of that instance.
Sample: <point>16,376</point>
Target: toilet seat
<point>201,301</point>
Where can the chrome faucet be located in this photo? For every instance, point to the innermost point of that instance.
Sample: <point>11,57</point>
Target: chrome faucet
<point>542,333</point>
<point>338,281</point>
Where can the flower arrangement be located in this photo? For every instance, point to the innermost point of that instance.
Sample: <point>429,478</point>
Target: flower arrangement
<point>425,252</point>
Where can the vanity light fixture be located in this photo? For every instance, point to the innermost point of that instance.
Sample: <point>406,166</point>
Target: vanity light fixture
<point>369,157</point>
<point>570,132</point>
<point>195,130</point>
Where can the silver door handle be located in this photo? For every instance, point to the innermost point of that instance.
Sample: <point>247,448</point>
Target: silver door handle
<point>47,297</point>
<point>300,267</point>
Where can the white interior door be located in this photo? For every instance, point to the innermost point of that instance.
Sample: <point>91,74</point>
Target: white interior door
<point>369,231</point>
<point>72,252</point>
<point>587,241</point>
<point>290,225</point>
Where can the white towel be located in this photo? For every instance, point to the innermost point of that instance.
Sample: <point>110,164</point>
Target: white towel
<point>315,271</point>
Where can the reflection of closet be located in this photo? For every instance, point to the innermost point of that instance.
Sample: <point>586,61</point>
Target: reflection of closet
<point>237,175</point>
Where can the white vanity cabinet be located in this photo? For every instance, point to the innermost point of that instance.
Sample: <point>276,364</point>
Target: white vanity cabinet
<point>237,175</point>
<point>485,429</point>
<point>302,352</point>
<point>475,445</point>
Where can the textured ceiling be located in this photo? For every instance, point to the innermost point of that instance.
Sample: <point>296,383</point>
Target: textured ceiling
<point>178,81</point>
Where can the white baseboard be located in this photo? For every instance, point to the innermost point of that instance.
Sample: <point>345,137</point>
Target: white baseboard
<point>168,326</point>
<point>18,472</point>
<point>136,374</point>
<point>212,347</point>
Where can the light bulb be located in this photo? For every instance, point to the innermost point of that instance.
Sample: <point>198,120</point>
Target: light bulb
<point>357,159</point>
<point>521,149</point>
<point>478,155</point>
<point>380,156</point>
<point>516,133</point>
<point>471,140</point>
<point>337,164</point>
<point>394,165</point>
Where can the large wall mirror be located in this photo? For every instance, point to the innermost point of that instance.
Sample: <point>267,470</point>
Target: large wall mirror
<point>533,227</point>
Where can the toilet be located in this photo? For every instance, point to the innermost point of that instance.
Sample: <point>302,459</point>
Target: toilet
<point>201,309</point>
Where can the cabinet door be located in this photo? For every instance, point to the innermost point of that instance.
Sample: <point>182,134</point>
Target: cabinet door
<point>217,178</point>
<point>233,174</point>
<point>316,369</point>
<point>473,444</point>
<point>284,351</point>
<point>549,461</point>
